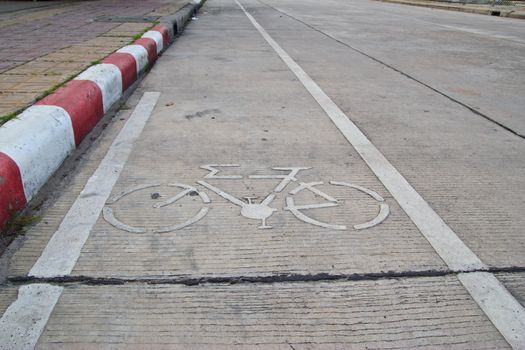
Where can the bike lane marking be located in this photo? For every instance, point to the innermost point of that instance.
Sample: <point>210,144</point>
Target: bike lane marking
<point>26,317</point>
<point>507,314</point>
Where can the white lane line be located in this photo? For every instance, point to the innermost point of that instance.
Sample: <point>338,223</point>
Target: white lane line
<point>447,244</point>
<point>62,251</point>
<point>507,314</point>
<point>480,32</point>
<point>25,319</point>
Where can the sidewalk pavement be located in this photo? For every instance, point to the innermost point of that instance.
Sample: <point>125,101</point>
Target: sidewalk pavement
<point>517,11</point>
<point>45,47</point>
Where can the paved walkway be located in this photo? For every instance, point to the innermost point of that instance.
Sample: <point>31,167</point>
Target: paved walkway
<point>45,46</point>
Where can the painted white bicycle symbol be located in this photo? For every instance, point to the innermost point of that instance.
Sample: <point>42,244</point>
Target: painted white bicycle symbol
<point>255,211</point>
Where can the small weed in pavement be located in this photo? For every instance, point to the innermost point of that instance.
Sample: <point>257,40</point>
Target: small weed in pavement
<point>139,35</point>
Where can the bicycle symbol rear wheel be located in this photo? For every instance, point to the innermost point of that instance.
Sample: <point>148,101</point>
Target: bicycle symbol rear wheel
<point>109,216</point>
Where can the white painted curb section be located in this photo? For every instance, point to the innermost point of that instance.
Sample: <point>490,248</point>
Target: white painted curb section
<point>108,78</point>
<point>38,150</point>
<point>153,34</point>
<point>139,53</point>
<point>24,320</point>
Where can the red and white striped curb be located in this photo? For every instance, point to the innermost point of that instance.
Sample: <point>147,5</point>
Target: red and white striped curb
<point>34,145</point>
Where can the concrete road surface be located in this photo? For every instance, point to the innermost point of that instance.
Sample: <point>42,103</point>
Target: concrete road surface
<point>294,175</point>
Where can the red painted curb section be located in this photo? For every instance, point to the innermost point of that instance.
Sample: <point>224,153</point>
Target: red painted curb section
<point>127,65</point>
<point>165,33</point>
<point>82,100</point>
<point>150,45</point>
<point>12,198</point>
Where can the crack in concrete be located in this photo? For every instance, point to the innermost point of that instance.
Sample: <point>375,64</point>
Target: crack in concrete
<point>269,279</point>
<point>473,110</point>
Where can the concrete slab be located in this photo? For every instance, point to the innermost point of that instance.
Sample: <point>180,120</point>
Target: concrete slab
<point>455,53</point>
<point>466,167</point>
<point>389,314</point>
<point>515,283</point>
<point>8,295</point>
<point>240,106</point>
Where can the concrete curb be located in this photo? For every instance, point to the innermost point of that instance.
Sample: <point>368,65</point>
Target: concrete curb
<point>37,141</point>
<point>482,11</point>
<point>178,19</point>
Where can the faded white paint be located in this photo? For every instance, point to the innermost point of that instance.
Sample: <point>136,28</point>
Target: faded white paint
<point>447,244</point>
<point>384,209</point>
<point>109,216</point>
<point>157,37</point>
<point>38,140</point>
<point>505,312</point>
<point>108,78</point>
<point>187,190</point>
<point>296,211</point>
<point>213,171</point>
<point>481,32</point>
<point>116,197</point>
<point>24,320</point>
<point>286,179</point>
<point>369,192</point>
<point>107,212</point>
<point>62,251</point>
<point>249,210</point>
<point>311,187</point>
<point>139,53</point>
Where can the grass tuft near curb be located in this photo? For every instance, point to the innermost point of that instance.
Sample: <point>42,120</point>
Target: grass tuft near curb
<point>19,222</point>
<point>7,117</point>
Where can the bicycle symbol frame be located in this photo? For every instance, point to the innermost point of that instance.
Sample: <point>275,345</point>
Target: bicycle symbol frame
<point>255,211</point>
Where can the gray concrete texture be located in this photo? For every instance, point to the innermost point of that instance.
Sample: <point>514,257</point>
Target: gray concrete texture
<point>208,124</point>
<point>467,168</point>
<point>388,314</point>
<point>227,98</point>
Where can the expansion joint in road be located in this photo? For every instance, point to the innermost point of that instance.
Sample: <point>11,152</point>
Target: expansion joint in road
<point>267,279</point>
